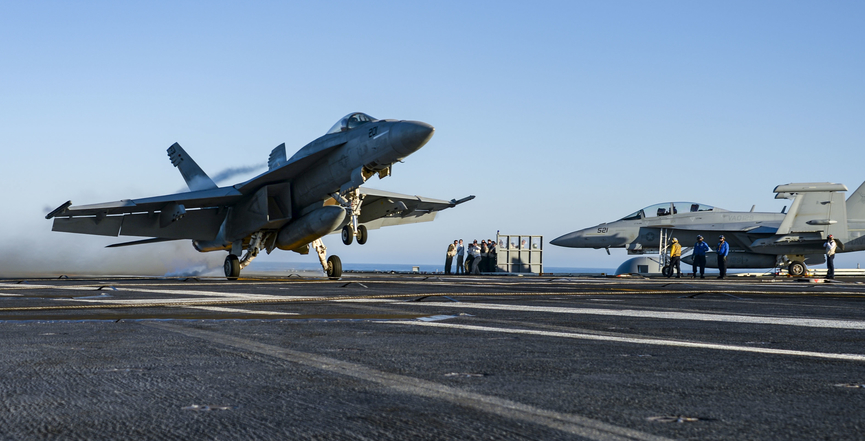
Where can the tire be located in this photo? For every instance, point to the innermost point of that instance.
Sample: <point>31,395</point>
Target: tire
<point>347,236</point>
<point>361,234</point>
<point>665,271</point>
<point>334,267</point>
<point>797,268</point>
<point>231,267</point>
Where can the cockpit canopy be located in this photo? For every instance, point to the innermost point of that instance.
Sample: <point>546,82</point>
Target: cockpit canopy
<point>350,121</point>
<point>668,208</point>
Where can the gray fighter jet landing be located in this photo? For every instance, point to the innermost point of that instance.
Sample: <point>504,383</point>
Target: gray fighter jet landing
<point>757,240</point>
<point>291,206</point>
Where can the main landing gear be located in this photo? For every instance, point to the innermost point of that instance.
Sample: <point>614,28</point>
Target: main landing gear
<point>352,202</point>
<point>231,267</point>
<point>796,268</point>
<point>332,265</point>
<point>234,264</point>
<point>795,264</point>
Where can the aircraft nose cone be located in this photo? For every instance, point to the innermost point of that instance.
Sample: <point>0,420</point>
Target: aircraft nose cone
<point>568,240</point>
<point>409,136</point>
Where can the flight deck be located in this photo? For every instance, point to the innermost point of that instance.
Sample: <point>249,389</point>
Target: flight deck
<point>374,356</point>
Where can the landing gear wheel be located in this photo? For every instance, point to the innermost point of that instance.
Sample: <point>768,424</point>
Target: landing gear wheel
<point>231,267</point>
<point>361,234</point>
<point>334,267</point>
<point>666,271</point>
<point>797,268</point>
<point>347,235</point>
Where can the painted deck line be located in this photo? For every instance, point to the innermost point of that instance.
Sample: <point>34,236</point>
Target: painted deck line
<point>238,310</point>
<point>665,315</point>
<point>641,341</point>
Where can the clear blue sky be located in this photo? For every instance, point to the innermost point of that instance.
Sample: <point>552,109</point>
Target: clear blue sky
<point>557,115</point>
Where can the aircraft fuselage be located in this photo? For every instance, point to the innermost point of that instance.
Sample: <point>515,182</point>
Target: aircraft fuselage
<point>367,150</point>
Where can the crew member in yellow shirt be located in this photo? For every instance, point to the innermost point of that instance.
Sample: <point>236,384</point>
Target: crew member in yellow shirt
<point>675,259</point>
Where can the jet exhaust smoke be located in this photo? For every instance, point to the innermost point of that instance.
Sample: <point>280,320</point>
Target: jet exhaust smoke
<point>227,174</point>
<point>234,171</point>
<point>51,254</point>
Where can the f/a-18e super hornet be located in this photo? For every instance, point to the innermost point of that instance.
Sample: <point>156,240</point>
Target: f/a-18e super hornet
<point>291,206</point>
<point>789,239</point>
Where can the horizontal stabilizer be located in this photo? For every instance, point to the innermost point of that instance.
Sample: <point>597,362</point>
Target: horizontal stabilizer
<point>140,242</point>
<point>194,176</point>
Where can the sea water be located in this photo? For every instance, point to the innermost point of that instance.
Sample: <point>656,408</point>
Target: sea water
<point>297,267</point>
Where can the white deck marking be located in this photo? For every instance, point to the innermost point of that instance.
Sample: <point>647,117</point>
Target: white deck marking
<point>182,301</point>
<point>569,423</point>
<point>237,310</point>
<point>667,315</point>
<point>174,292</point>
<point>642,341</point>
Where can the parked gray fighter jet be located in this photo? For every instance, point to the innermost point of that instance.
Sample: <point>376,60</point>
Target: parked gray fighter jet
<point>290,207</point>
<point>757,240</point>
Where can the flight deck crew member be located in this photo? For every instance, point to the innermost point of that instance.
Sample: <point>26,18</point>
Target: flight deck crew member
<point>461,252</point>
<point>449,260</point>
<point>476,257</point>
<point>471,256</point>
<point>700,249</point>
<point>675,259</point>
<point>829,246</point>
<point>723,251</point>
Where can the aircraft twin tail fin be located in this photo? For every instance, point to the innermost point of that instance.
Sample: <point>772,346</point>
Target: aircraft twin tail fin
<point>194,176</point>
<point>277,157</point>
<point>856,205</point>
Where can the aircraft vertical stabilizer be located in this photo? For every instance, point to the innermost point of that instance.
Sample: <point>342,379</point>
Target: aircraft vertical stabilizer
<point>277,157</point>
<point>856,205</point>
<point>194,176</point>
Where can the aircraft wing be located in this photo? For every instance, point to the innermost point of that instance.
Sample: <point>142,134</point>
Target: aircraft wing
<point>192,215</point>
<point>193,199</point>
<point>383,208</point>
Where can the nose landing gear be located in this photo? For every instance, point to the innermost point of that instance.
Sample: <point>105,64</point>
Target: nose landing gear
<point>348,235</point>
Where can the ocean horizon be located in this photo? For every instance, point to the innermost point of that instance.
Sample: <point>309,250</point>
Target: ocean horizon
<point>271,267</point>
